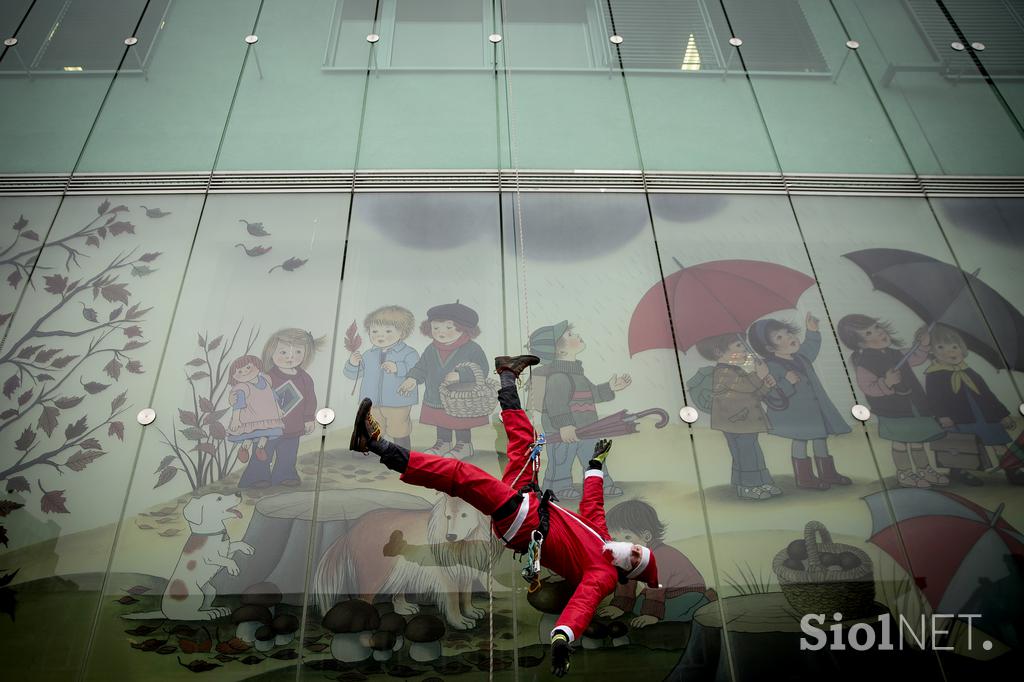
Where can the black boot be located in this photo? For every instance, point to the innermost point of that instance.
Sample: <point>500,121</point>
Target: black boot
<point>365,430</point>
<point>514,363</point>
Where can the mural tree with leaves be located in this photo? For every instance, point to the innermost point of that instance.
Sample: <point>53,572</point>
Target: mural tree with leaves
<point>203,453</point>
<point>81,336</point>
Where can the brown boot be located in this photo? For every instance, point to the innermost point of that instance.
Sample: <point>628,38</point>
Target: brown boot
<point>514,363</point>
<point>365,429</point>
<point>803,473</point>
<point>827,471</point>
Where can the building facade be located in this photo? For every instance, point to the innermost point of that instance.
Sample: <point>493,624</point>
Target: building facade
<point>773,248</point>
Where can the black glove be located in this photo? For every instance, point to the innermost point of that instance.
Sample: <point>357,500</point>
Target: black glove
<point>560,652</point>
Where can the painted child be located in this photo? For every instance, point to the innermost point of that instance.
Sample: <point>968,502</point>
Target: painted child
<point>682,590</point>
<point>809,416</point>
<point>570,403</point>
<point>961,399</point>
<point>741,381</point>
<point>287,353</point>
<point>255,415</point>
<point>452,328</point>
<point>894,395</point>
<point>384,367</point>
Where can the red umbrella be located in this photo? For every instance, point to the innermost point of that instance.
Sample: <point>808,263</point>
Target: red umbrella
<point>709,299</point>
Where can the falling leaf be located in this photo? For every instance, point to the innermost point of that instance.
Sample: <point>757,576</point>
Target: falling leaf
<point>164,462</point>
<point>18,484</point>
<point>75,430</point>
<point>103,207</point>
<point>48,419</point>
<point>169,532</point>
<point>149,257</point>
<point>352,339</point>
<point>55,284</point>
<point>188,418</point>
<point>63,361</point>
<point>52,502</point>
<point>290,265</point>
<point>14,278</point>
<point>137,589</point>
<point>91,240</point>
<point>165,476</point>
<point>132,331</point>
<point>255,251</point>
<point>112,369</point>
<point>117,402</point>
<point>25,440</point>
<point>24,398</point>
<point>199,665</point>
<point>134,366</point>
<point>142,630</point>
<point>44,356</point>
<point>142,270</point>
<point>19,223</point>
<point>120,227</point>
<point>128,600</point>
<point>11,385</point>
<point>216,342</point>
<point>94,387</point>
<point>115,292</point>
<point>82,459</point>
<point>7,506</point>
<point>116,429</point>
<point>30,234</point>
<point>67,402</point>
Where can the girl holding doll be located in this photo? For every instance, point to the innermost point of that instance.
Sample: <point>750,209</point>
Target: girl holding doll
<point>255,415</point>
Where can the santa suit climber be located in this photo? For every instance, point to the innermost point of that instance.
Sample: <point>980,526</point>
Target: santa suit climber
<point>575,546</point>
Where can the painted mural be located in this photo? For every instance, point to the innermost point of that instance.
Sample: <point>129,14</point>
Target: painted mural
<point>238,538</point>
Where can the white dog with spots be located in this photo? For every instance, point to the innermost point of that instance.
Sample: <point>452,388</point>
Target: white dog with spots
<point>189,594</point>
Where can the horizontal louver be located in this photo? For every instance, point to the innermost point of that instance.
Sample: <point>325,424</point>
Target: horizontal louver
<point>663,34</point>
<point>998,24</point>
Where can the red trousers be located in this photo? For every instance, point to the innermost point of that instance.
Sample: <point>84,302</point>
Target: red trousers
<point>573,547</point>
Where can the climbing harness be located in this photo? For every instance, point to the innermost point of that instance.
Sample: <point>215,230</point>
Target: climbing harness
<point>532,461</point>
<point>531,572</point>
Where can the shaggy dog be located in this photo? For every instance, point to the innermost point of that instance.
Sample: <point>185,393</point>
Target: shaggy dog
<point>189,594</point>
<point>461,546</point>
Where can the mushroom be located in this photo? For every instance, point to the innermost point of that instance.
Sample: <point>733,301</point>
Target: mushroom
<point>262,594</point>
<point>594,635</point>
<point>284,627</point>
<point>394,623</point>
<point>249,619</point>
<point>382,643</point>
<point>352,623</point>
<point>425,633</point>
<point>550,599</point>
<point>265,638</point>
<point>619,632</point>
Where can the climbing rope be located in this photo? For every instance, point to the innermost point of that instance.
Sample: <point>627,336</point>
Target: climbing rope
<point>532,460</point>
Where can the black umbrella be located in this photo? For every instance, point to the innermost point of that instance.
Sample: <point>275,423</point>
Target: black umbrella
<point>938,293</point>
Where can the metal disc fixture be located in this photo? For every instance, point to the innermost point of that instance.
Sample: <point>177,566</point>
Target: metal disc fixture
<point>146,416</point>
<point>324,416</point>
<point>372,38</point>
<point>494,38</point>
<point>252,39</point>
<point>689,414</point>
<point>615,39</point>
<point>860,412</point>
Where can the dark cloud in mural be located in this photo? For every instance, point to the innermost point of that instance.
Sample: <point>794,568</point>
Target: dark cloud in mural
<point>429,221</point>
<point>998,220</point>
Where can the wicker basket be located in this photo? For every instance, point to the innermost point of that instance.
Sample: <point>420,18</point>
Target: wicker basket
<point>470,399</point>
<point>826,590</point>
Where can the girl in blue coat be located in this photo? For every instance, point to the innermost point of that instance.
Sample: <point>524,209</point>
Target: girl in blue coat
<point>808,415</point>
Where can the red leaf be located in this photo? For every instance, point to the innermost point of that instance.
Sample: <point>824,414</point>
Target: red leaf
<point>90,444</point>
<point>25,440</point>
<point>75,430</point>
<point>132,345</point>
<point>30,234</point>
<point>44,356</point>
<point>217,431</point>
<point>115,313</point>
<point>20,223</point>
<point>198,375</point>
<point>48,419</point>
<point>11,385</point>
<point>214,416</point>
<point>91,240</point>
<point>14,278</point>
<point>165,476</point>
<point>115,292</point>
<point>134,366</point>
<point>55,284</point>
<point>94,387</point>
<point>290,265</point>
<point>90,315</point>
<point>132,331</point>
<point>63,361</point>
<point>216,342</point>
<point>195,362</point>
<point>117,402</point>
<point>112,369</point>
<point>53,502</point>
<point>352,339</point>
<point>82,459</point>
<point>134,313</point>
<point>116,429</point>
<point>188,418</point>
<point>202,341</point>
<point>164,463</point>
<point>24,397</point>
<point>7,506</point>
<point>120,227</point>
<point>18,484</point>
<point>42,376</point>
<point>27,352</point>
<point>67,402</point>
<point>149,257</point>
<point>103,207</point>
<point>205,405</point>
<point>7,414</point>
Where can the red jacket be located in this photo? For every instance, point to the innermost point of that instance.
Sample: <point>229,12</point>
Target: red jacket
<point>573,547</point>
